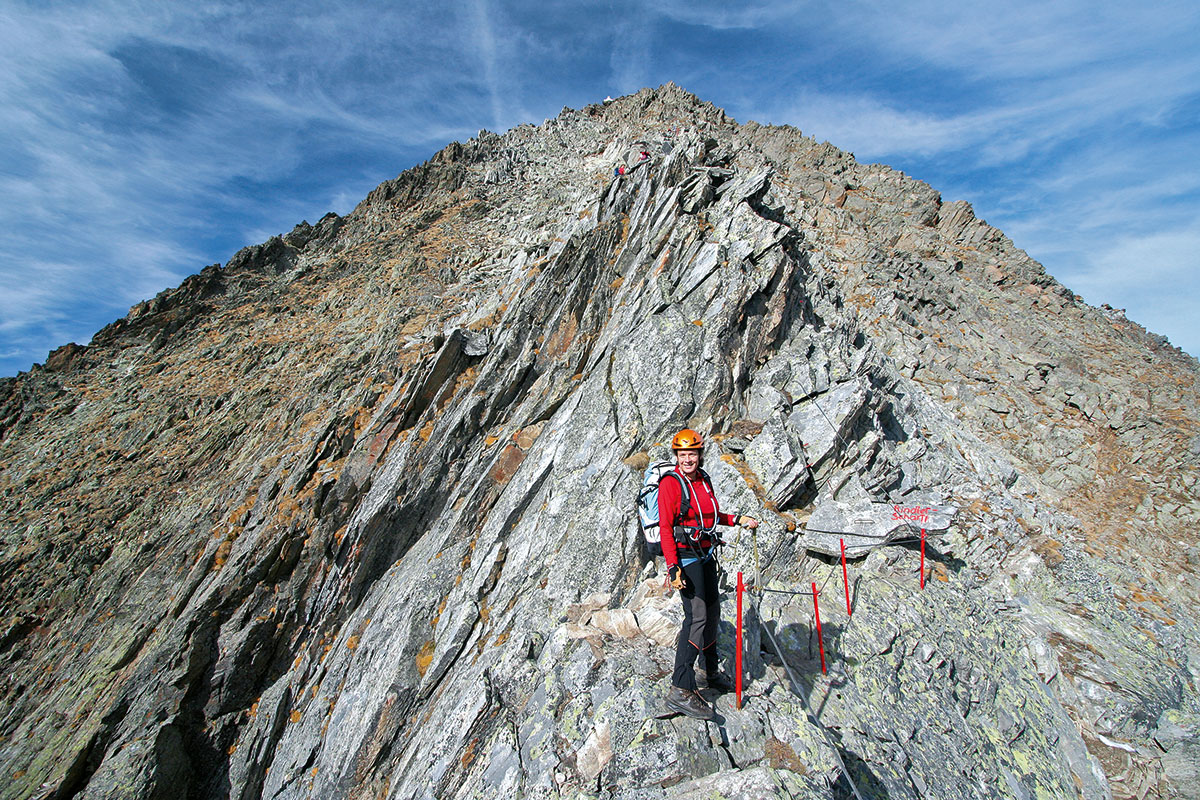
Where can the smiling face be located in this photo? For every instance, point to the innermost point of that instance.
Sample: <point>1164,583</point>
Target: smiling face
<point>688,461</point>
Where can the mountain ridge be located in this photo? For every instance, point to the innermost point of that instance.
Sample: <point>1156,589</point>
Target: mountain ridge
<point>295,431</point>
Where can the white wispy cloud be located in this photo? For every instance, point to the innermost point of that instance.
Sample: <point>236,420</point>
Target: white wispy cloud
<point>1133,261</point>
<point>630,57</point>
<point>1130,272</point>
<point>995,42</point>
<point>486,42</point>
<point>723,16</point>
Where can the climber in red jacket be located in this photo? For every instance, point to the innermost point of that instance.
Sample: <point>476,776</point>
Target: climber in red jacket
<point>692,569</point>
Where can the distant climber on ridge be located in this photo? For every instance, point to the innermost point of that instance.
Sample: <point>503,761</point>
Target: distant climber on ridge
<point>692,569</point>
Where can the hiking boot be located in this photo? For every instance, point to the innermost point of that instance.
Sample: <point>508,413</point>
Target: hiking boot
<point>716,681</point>
<point>688,702</point>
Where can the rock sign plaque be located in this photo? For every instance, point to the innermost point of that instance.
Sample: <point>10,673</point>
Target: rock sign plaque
<point>864,525</point>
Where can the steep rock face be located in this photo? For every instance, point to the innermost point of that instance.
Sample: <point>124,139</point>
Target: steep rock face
<point>350,516</point>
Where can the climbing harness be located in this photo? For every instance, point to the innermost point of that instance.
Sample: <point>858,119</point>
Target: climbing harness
<point>689,535</point>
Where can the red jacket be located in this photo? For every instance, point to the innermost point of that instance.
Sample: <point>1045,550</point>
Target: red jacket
<point>703,509</point>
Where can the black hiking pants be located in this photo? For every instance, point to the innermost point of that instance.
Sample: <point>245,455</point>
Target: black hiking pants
<point>701,617</point>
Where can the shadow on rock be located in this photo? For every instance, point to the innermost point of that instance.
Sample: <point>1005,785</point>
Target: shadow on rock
<point>865,780</point>
<point>802,658</point>
<point>933,555</point>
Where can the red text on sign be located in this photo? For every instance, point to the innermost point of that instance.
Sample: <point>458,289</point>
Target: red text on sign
<point>912,513</point>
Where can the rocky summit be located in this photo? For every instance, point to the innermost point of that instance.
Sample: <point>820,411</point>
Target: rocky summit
<point>352,516</point>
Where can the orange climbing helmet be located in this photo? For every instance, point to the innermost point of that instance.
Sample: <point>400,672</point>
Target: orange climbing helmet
<point>687,439</point>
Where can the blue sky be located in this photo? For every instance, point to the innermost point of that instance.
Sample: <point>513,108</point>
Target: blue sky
<point>141,141</point>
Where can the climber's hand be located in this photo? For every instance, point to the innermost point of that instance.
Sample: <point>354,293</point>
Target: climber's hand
<point>675,575</point>
<point>748,522</point>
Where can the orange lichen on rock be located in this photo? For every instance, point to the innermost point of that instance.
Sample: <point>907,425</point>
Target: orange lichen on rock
<point>425,657</point>
<point>507,464</point>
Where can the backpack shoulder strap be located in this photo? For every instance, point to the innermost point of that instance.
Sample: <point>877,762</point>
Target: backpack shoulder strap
<point>684,498</point>
<point>712,493</point>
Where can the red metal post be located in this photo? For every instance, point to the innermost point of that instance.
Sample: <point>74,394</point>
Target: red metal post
<point>741,587</point>
<point>846,578</point>
<point>817,614</point>
<point>922,558</point>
